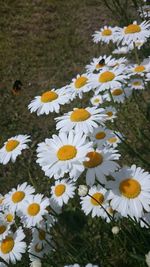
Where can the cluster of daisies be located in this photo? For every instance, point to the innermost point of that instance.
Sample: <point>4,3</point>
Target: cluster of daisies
<point>84,145</point>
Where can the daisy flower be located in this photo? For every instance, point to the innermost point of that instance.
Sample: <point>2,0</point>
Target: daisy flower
<point>38,250</point>
<point>63,154</point>
<point>96,100</point>
<point>41,235</point>
<point>100,163</point>
<point>130,192</point>
<point>17,197</point>
<point>79,86</point>
<point>99,63</point>
<point>93,202</point>
<point>100,136</point>
<point>33,210</point>
<point>133,32</point>
<point>49,101</point>
<point>107,79</point>
<point>120,50</point>
<point>139,70</point>
<point>9,216</point>
<point>82,120</point>
<point>114,140</point>
<point>13,147</point>
<point>144,11</point>
<point>62,191</point>
<point>110,112</point>
<point>137,84</point>
<point>118,94</point>
<point>105,35</point>
<point>12,247</point>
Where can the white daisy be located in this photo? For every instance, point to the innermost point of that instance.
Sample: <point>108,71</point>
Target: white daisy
<point>96,100</point>
<point>139,70</point>
<point>105,34</point>
<point>118,94</point>
<point>62,191</point>
<point>33,210</point>
<point>82,120</point>
<point>115,139</point>
<point>100,163</point>
<point>13,147</point>
<point>99,63</point>
<point>38,250</point>
<point>133,32</point>
<point>78,86</point>
<point>100,136</point>
<point>137,84</point>
<point>107,79</point>
<point>9,216</point>
<point>63,154</point>
<point>49,101</point>
<point>144,11</point>
<point>94,201</point>
<point>111,113</point>
<point>40,235</point>
<point>17,197</point>
<point>120,50</point>
<point>12,247</point>
<point>130,192</point>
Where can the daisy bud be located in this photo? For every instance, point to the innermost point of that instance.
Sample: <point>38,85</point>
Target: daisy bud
<point>82,190</point>
<point>36,263</point>
<point>115,230</point>
<point>147,259</point>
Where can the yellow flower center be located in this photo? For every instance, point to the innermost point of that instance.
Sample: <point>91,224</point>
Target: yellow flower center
<point>100,135</point>
<point>80,82</point>
<point>18,196</point>
<point>33,209</point>
<point>109,113</point>
<point>9,217</point>
<point>60,189</point>
<point>98,66</point>
<point>106,32</point>
<point>97,199</point>
<point>130,188</point>
<point>38,248</point>
<point>2,229</point>
<point>7,245</point>
<point>137,83</point>
<point>132,28</point>
<point>117,92</point>
<point>80,114</point>
<point>49,96</point>
<point>11,145</point>
<point>96,100</point>
<point>66,152</point>
<point>95,159</point>
<point>112,140</point>
<point>42,234</point>
<point>139,68</point>
<point>106,76</point>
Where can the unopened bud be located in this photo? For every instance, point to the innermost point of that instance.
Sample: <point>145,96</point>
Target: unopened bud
<point>82,190</point>
<point>36,263</point>
<point>115,230</point>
